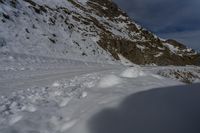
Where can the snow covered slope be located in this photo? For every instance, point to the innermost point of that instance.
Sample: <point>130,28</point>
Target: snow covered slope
<point>48,28</point>
<point>65,105</point>
<point>95,30</point>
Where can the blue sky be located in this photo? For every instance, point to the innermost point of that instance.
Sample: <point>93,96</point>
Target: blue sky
<point>176,19</point>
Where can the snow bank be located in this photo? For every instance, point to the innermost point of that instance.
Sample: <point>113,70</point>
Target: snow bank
<point>132,72</point>
<point>109,81</point>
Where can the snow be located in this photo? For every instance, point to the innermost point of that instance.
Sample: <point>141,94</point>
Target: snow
<point>172,48</point>
<point>69,43</point>
<point>64,102</point>
<point>187,74</point>
<point>132,72</point>
<point>70,98</point>
<point>109,81</point>
<point>161,110</point>
<point>159,54</point>
<point>141,47</point>
<point>31,33</point>
<point>84,94</point>
<point>83,1</point>
<point>53,88</point>
<point>30,108</point>
<point>157,76</point>
<point>125,61</point>
<point>56,84</point>
<point>15,119</point>
<point>67,125</point>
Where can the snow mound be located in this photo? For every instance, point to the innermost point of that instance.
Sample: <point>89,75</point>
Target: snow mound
<point>84,94</point>
<point>132,72</point>
<point>56,84</point>
<point>109,81</point>
<point>64,102</point>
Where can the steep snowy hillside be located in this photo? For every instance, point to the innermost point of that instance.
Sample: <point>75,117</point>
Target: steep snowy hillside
<point>48,28</point>
<point>95,30</point>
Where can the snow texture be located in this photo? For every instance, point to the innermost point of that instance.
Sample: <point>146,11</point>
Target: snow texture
<point>53,74</point>
<point>109,81</point>
<point>63,98</point>
<point>133,72</point>
<point>65,105</point>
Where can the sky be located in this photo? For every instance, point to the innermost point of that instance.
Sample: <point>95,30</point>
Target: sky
<point>174,19</point>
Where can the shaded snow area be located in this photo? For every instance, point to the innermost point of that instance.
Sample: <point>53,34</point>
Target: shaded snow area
<point>162,110</point>
<point>66,103</point>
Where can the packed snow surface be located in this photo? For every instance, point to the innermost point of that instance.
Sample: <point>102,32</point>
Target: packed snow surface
<point>109,81</point>
<point>39,96</point>
<point>133,72</point>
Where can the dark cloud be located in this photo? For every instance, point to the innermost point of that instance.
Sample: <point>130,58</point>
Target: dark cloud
<point>165,17</point>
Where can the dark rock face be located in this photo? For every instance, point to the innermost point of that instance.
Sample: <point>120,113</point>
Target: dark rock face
<point>144,48</point>
<point>129,49</point>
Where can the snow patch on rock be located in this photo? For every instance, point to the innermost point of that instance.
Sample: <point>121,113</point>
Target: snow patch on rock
<point>125,61</point>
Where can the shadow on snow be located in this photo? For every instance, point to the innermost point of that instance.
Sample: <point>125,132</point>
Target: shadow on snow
<point>163,110</point>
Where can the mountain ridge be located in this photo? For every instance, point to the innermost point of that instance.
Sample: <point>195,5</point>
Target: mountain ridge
<point>84,29</point>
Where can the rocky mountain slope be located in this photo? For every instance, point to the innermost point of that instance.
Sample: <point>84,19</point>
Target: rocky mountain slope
<point>94,30</point>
